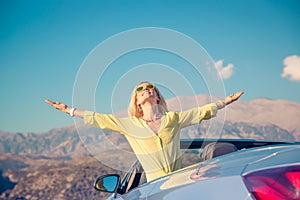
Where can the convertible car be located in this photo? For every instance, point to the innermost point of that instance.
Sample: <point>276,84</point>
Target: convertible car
<point>228,169</point>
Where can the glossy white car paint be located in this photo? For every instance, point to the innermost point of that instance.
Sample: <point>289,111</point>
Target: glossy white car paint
<point>218,178</point>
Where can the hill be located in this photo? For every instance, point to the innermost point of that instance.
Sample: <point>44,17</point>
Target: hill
<point>62,164</point>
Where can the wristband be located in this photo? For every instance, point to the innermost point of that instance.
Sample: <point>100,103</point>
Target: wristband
<point>72,112</point>
<point>220,104</point>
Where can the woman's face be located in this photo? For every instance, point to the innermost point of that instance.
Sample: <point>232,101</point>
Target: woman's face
<point>146,92</point>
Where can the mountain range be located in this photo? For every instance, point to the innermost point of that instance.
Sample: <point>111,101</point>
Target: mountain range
<point>29,162</point>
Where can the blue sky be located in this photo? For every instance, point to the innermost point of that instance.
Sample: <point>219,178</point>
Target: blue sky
<point>44,43</point>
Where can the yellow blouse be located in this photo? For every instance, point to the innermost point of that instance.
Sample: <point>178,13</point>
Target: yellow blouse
<point>159,154</point>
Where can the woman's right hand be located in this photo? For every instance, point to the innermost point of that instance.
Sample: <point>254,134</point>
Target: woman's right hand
<point>59,106</point>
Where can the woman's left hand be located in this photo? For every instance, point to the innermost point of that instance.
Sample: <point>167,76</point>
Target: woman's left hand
<point>233,97</point>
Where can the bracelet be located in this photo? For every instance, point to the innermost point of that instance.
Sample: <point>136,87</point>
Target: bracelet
<point>220,104</point>
<point>72,112</point>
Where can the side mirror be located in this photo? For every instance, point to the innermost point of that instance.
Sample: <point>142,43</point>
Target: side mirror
<point>107,183</point>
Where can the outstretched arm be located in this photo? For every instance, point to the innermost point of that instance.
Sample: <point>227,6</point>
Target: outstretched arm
<point>64,108</point>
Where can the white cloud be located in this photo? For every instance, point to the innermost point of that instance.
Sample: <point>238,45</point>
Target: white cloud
<point>291,69</point>
<point>224,71</point>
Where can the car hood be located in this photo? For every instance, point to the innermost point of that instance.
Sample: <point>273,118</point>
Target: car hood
<point>231,165</point>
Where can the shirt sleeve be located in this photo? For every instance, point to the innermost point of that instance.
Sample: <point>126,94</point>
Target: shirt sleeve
<point>196,115</point>
<point>103,121</point>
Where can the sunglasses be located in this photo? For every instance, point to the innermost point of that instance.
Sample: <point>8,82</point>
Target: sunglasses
<point>141,88</point>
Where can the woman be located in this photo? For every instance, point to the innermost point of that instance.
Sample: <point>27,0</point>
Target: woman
<point>152,131</point>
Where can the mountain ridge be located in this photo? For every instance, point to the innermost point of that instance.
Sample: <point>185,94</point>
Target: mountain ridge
<point>62,163</point>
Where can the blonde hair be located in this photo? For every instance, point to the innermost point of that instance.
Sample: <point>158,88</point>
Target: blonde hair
<point>135,111</point>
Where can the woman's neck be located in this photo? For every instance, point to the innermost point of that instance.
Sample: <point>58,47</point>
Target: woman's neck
<point>151,112</point>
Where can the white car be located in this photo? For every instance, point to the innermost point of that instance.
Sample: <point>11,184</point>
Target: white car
<point>248,169</point>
